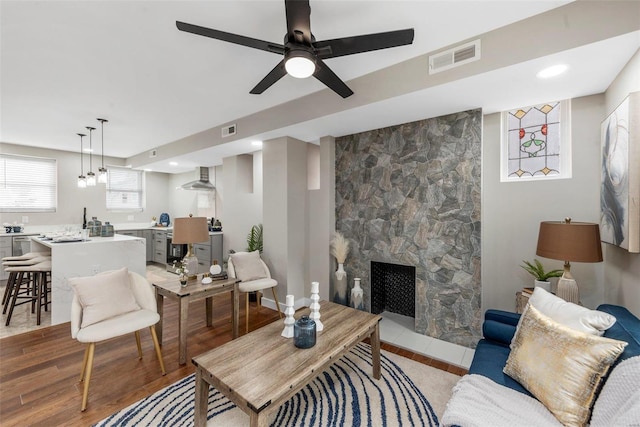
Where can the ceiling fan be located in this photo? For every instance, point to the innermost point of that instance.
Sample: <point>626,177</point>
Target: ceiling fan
<point>303,55</point>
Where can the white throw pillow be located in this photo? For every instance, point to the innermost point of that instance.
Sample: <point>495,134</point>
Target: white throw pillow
<point>248,266</point>
<point>572,315</point>
<point>104,295</point>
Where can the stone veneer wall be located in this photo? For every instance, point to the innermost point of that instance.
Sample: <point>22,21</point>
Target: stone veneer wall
<point>410,194</point>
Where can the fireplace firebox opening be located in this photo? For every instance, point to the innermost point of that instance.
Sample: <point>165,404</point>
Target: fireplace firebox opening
<point>393,288</point>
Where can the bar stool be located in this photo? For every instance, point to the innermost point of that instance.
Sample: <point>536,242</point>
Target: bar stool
<point>35,289</point>
<point>11,281</point>
<point>9,260</point>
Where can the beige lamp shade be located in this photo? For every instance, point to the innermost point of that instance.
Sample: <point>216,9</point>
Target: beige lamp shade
<point>190,230</point>
<point>570,241</point>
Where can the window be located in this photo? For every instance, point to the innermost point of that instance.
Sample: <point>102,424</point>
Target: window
<point>536,142</point>
<point>27,184</point>
<point>125,189</point>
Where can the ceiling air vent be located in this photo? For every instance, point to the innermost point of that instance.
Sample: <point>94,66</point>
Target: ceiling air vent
<point>228,130</point>
<point>455,57</point>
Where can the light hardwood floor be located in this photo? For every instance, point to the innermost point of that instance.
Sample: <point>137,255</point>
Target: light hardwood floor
<point>39,370</point>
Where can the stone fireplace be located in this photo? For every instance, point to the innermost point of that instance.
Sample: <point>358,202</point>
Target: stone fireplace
<point>410,195</point>
<point>393,288</point>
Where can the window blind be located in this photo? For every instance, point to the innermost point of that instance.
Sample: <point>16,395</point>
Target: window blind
<point>27,184</point>
<point>125,189</point>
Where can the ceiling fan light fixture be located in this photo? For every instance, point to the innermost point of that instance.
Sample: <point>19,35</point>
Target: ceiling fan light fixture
<point>300,64</point>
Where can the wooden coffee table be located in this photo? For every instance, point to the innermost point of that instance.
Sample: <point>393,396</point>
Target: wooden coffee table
<point>194,291</point>
<point>262,370</point>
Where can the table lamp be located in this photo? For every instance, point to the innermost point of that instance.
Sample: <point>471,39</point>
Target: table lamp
<point>190,230</point>
<point>569,241</point>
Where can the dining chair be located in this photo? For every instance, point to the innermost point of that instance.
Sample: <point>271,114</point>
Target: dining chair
<point>254,275</point>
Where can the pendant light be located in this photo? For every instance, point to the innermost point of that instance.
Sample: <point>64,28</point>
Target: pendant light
<point>102,172</point>
<point>82,180</point>
<point>91,177</point>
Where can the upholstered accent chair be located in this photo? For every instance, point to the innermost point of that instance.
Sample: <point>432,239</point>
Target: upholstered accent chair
<point>109,305</point>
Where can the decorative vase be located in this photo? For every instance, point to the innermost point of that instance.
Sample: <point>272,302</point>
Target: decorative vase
<point>304,332</point>
<point>341,285</point>
<point>357,294</point>
<point>544,284</point>
<point>183,280</point>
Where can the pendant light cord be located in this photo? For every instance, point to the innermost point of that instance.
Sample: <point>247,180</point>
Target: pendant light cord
<point>90,148</point>
<point>102,121</point>
<point>81,155</point>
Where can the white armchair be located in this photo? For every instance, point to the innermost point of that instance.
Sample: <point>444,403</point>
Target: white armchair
<point>109,305</point>
<point>254,275</point>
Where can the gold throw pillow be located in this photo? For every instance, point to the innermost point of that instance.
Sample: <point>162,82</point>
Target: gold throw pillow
<point>560,366</point>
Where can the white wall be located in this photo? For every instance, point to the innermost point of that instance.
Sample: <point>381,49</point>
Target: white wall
<point>185,202</point>
<point>285,215</point>
<point>322,221</point>
<point>622,269</point>
<point>72,200</point>
<point>512,212</point>
<point>242,204</point>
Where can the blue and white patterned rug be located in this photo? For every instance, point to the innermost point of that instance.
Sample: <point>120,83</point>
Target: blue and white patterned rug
<point>344,395</point>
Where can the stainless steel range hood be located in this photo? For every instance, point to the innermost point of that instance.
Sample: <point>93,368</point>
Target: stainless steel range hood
<point>201,183</point>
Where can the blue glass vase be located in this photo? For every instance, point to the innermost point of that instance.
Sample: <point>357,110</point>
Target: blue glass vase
<point>304,332</point>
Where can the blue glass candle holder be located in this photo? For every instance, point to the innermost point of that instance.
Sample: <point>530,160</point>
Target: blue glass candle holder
<point>304,332</point>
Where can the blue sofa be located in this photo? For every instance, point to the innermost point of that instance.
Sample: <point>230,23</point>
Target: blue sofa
<point>500,326</point>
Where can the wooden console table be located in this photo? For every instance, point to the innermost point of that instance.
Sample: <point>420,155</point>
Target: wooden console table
<point>192,292</point>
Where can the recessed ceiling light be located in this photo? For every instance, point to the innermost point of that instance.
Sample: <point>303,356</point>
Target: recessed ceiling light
<point>552,71</point>
<point>256,143</point>
<point>173,163</point>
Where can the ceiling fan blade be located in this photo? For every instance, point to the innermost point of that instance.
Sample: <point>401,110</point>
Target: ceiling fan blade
<point>298,21</point>
<point>231,38</point>
<point>359,44</point>
<point>329,78</point>
<point>274,75</point>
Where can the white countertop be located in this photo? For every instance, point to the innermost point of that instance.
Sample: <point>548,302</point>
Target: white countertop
<point>17,234</point>
<point>42,229</point>
<point>91,240</point>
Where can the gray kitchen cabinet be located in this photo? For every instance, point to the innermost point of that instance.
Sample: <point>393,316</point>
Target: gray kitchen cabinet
<point>207,252</point>
<point>148,236</point>
<point>203,252</point>
<point>216,248</point>
<point>133,233</point>
<point>160,246</point>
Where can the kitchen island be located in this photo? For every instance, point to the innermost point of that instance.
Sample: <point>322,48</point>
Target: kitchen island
<point>86,258</point>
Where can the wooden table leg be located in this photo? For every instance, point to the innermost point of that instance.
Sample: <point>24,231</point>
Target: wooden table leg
<point>375,351</point>
<point>182,331</point>
<point>209,309</point>
<point>202,397</point>
<point>160,308</point>
<point>236,310</point>
<point>258,419</point>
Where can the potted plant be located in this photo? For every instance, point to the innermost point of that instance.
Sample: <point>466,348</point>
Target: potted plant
<point>539,274</point>
<point>254,239</point>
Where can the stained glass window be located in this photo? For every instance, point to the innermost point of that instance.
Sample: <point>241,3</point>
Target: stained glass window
<point>536,142</point>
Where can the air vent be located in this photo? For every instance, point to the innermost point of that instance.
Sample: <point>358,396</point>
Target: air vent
<point>455,57</point>
<point>228,130</point>
<point>153,153</point>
